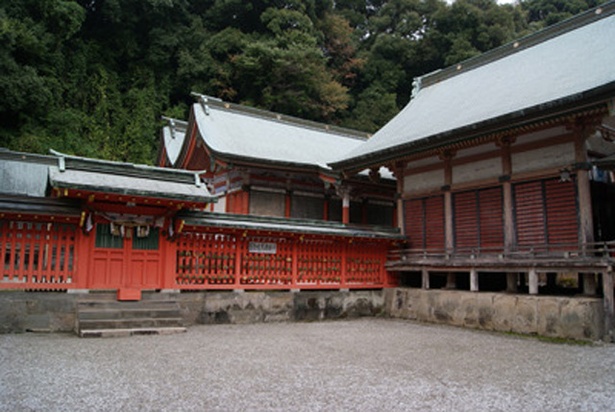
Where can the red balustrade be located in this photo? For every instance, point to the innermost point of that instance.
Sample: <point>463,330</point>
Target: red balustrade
<point>241,261</point>
<point>37,255</point>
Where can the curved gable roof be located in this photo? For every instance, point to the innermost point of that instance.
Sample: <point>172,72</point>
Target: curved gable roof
<point>238,133</point>
<point>568,62</point>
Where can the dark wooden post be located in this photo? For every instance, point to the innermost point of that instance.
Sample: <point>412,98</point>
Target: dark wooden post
<point>609,306</point>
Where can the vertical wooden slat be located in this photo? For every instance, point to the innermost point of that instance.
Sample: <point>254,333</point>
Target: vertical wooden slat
<point>414,219</point>
<point>490,202</point>
<point>530,214</point>
<point>466,220</point>
<point>562,213</point>
<point>434,223</point>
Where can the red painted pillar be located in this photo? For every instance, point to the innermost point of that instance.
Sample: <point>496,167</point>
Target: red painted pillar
<point>84,251</point>
<point>346,246</point>
<point>325,209</point>
<point>346,209</point>
<point>295,258</point>
<point>246,203</point>
<point>168,252</point>
<point>287,203</point>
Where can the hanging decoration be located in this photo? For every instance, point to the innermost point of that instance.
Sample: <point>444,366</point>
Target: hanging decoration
<point>129,226</point>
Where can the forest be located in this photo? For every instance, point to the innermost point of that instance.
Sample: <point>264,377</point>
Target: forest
<point>94,77</point>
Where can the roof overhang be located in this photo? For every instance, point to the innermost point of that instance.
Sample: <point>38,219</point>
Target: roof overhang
<point>124,182</point>
<point>287,225</point>
<point>595,102</point>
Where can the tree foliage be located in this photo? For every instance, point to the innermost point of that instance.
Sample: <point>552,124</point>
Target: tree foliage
<point>92,77</point>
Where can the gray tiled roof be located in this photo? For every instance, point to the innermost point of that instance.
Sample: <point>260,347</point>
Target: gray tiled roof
<point>173,136</point>
<point>237,132</point>
<point>290,225</point>
<point>562,64</point>
<point>127,178</point>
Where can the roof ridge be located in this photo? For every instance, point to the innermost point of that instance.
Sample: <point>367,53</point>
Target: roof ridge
<point>125,168</point>
<point>206,100</point>
<point>515,46</point>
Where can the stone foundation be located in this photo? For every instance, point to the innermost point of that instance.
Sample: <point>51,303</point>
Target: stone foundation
<point>578,318</point>
<point>55,312</point>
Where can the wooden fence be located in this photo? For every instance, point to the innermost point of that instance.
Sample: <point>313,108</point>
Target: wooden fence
<point>236,261</point>
<point>37,255</point>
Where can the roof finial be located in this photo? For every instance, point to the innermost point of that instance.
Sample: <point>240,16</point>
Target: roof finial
<point>416,87</point>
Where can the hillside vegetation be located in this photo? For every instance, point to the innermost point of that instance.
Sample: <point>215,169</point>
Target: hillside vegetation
<point>93,77</point>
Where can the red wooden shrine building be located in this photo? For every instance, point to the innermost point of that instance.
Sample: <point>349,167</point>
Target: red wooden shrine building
<point>502,164</point>
<point>71,223</point>
<point>267,164</point>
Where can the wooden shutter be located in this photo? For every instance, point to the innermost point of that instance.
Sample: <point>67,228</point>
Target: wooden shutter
<point>530,214</point>
<point>491,217</point>
<point>562,215</point>
<point>466,220</point>
<point>434,223</point>
<point>414,220</point>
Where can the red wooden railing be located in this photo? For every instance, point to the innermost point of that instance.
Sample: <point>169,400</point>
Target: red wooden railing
<point>237,261</point>
<point>40,255</point>
<point>37,255</point>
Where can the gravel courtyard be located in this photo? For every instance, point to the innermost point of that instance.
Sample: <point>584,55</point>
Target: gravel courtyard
<point>365,365</point>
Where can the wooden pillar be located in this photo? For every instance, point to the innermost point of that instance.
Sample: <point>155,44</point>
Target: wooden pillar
<point>586,223</point>
<point>512,279</point>
<point>449,240</point>
<point>346,207</point>
<point>425,279</point>
<point>508,208</point>
<point>609,306</point>
<point>589,284</point>
<point>287,203</point>
<point>168,252</point>
<point>364,211</point>
<point>474,280</point>
<point>295,263</point>
<point>344,266</point>
<point>533,281</point>
<point>451,281</point>
<point>83,256</point>
<point>398,172</point>
<point>325,208</point>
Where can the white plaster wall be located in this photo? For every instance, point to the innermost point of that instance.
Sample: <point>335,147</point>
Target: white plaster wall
<point>477,170</point>
<point>220,206</point>
<point>549,157</point>
<point>424,181</point>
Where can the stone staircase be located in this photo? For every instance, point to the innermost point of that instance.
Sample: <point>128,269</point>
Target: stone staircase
<point>101,315</point>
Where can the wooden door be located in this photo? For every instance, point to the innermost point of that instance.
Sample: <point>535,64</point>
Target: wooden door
<point>119,262</point>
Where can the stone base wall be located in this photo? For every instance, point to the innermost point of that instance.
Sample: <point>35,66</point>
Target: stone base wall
<point>55,312</point>
<point>38,312</point>
<point>578,318</point>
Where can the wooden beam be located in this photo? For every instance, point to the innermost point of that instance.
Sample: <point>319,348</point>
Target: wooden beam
<point>609,306</point>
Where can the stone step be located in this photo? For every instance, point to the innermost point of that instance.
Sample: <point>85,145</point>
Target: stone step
<point>129,323</point>
<point>112,313</point>
<point>102,315</point>
<point>126,332</point>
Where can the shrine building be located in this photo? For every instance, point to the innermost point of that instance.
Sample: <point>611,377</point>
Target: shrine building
<point>486,202</point>
<point>503,166</point>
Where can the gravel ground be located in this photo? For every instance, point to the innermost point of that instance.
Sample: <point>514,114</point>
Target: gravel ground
<point>359,365</point>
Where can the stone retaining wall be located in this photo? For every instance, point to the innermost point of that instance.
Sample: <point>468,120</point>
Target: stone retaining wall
<point>579,318</point>
<point>55,311</point>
